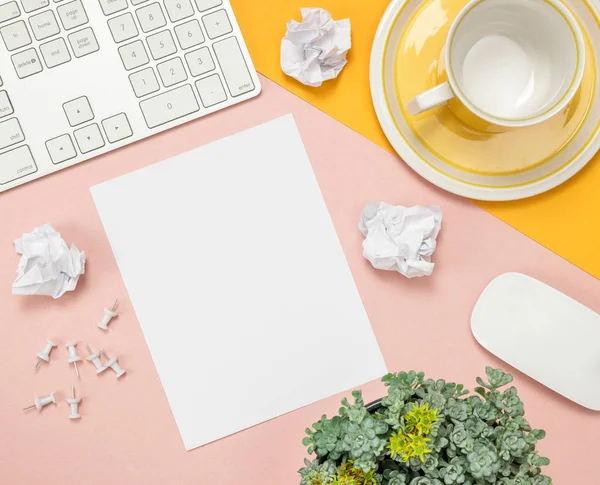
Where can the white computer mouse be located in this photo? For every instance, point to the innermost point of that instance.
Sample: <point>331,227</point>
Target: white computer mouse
<point>543,333</point>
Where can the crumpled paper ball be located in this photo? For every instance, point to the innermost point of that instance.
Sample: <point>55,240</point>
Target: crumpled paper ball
<point>400,238</point>
<point>47,267</point>
<point>314,50</point>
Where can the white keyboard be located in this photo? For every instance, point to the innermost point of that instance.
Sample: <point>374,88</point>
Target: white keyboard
<point>79,78</point>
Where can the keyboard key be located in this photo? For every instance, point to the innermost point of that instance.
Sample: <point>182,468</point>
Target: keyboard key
<point>15,35</point>
<point>33,5</point>
<point>78,111</point>
<point>232,62</point>
<point>211,90</point>
<point>55,53</point>
<point>113,6</point>
<point>9,11</point>
<point>144,82</point>
<point>27,63</point>
<point>72,15</point>
<point>44,25</point>
<point>123,28</point>
<point>169,106</point>
<point>217,24</point>
<point>151,17</point>
<point>204,5</point>
<point>117,128</point>
<point>10,133</point>
<point>89,138</point>
<point>5,105</point>
<point>199,61</point>
<point>83,42</point>
<point>189,34</point>
<point>16,163</point>
<point>133,55</point>
<point>61,149</point>
<point>137,2</point>
<point>179,9</point>
<point>172,72</point>
<point>161,45</point>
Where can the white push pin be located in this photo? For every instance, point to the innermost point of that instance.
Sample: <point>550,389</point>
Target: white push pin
<point>74,403</point>
<point>73,357</point>
<point>108,316</point>
<point>113,364</point>
<point>44,354</point>
<point>40,402</point>
<point>94,358</point>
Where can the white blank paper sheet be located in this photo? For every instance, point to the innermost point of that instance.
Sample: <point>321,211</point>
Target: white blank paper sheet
<point>239,281</point>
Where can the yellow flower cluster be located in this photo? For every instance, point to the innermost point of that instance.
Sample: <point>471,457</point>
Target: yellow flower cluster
<point>412,440</point>
<point>349,475</point>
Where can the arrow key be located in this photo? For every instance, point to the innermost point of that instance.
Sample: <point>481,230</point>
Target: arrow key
<point>89,138</point>
<point>117,128</point>
<point>78,111</point>
<point>61,149</point>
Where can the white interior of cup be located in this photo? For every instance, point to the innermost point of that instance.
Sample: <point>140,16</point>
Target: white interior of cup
<point>514,59</point>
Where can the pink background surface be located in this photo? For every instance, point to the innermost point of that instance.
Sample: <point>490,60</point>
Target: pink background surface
<point>127,434</point>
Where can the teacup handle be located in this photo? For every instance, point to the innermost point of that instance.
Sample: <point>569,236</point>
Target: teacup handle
<point>432,98</point>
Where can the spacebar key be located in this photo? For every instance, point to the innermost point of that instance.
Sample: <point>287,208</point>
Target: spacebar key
<point>169,106</point>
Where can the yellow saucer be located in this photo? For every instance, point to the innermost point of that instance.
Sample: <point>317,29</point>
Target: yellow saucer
<point>450,146</point>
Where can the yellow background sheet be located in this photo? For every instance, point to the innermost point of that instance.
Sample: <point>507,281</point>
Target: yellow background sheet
<point>566,220</point>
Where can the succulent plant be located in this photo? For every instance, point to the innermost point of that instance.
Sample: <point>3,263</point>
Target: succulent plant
<point>425,481</point>
<point>403,446</point>
<point>362,442</point>
<point>483,461</point>
<point>360,436</point>
<point>348,474</point>
<point>430,466</point>
<point>460,440</point>
<point>317,472</point>
<point>496,379</point>
<point>394,477</point>
<point>354,412</point>
<point>428,433</point>
<point>522,480</point>
<point>324,438</point>
<point>420,419</point>
<point>457,409</point>
<point>512,443</point>
<point>453,473</point>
